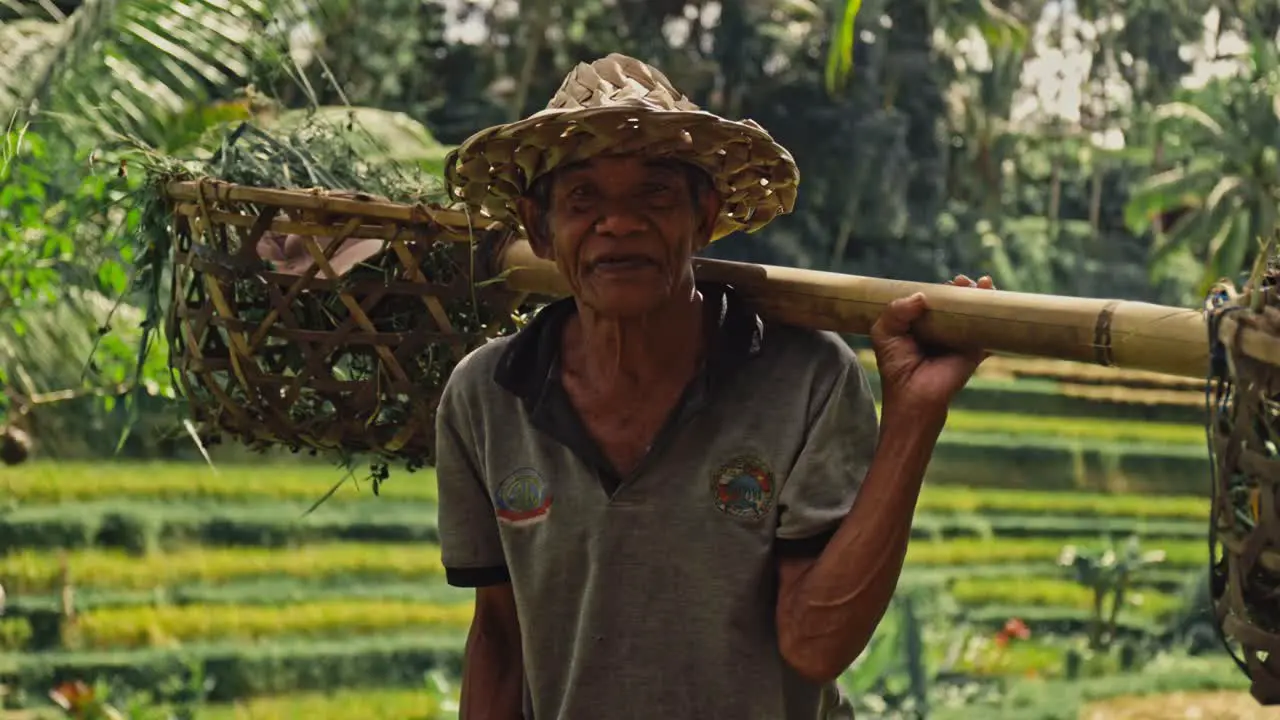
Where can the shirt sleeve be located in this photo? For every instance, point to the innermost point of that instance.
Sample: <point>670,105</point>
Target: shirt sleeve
<point>470,546</point>
<point>839,445</point>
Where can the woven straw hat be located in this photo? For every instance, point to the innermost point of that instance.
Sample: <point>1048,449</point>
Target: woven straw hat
<point>618,105</point>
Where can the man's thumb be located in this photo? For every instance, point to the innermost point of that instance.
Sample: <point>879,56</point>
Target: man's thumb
<point>899,314</point>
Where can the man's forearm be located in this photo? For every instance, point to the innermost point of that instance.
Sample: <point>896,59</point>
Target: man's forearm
<point>833,609</point>
<point>492,676</point>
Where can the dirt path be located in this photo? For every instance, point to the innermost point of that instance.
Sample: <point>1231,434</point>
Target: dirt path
<point>1182,706</point>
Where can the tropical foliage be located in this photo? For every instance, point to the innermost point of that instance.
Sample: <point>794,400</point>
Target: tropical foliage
<point>1123,148</point>
<point>1062,153</point>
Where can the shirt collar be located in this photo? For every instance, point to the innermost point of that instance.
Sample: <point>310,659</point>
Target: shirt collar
<point>531,359</point>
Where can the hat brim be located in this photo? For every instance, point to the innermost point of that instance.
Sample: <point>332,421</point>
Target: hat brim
<point>756,177</point>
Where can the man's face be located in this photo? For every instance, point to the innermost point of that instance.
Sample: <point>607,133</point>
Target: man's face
<point>623,231</point>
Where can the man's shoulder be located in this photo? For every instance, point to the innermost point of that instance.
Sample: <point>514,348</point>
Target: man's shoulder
<point>474,373</point>
<point>823,350</point>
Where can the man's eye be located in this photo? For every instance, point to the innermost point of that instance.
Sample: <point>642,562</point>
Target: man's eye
<point>660,194</point>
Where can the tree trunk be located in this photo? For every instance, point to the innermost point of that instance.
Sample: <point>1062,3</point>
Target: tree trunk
<point>533,43</point>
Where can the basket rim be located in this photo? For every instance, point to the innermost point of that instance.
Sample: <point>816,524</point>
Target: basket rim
<point>213,190</point>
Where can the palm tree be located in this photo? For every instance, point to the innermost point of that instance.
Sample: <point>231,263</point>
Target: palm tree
<point>1001,29</point>
<point>131,68</point>
<point>1222,194</point>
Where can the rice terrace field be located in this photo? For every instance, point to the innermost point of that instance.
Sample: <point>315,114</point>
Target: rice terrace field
<point>212,590</point>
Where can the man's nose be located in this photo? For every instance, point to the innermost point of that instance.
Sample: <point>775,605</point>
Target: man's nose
<point>620,218</point>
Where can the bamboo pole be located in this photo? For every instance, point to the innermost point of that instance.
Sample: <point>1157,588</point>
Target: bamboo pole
<point>1117,333</point>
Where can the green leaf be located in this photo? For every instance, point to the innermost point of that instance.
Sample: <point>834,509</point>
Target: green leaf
<point>1230,256</point>
<point>1169,190</point>
<point>880,659</point>
<point>1187,111</point>
<point>112,278</point>
<point>1225,187</point>
<point>1001,29</point>
<point>123,68</point>
<point>1226,220</point>
<point>840,54</point>
<point>1266,207</point>
<point>1197,223</point>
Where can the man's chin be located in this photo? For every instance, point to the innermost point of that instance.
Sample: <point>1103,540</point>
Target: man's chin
<point>625,302</point>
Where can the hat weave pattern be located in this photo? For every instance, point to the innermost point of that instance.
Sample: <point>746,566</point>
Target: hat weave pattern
<point>620,106</point>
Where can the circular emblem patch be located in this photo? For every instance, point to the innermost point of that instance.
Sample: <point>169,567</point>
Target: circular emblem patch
<point>743,487</point>
<point>522,498</point>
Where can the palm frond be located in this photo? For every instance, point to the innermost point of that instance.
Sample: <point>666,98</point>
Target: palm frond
<point>58,347</point>
<point>124,68</point>
<point>24,44</point>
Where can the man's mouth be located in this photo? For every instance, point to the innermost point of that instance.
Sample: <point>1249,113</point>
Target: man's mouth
<point>620,262</point>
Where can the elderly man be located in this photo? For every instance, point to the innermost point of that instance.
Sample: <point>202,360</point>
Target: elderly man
<point>668,507</point>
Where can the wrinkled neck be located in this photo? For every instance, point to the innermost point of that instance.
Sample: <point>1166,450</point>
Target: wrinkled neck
<point>620,354</point>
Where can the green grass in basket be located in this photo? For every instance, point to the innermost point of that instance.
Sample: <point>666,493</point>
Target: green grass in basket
<point>312,155</point>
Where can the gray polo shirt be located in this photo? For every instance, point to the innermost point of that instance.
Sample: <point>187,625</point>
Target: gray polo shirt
<point>653,595</point>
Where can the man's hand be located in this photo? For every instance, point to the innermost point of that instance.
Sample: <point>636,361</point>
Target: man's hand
<point>913,381</point>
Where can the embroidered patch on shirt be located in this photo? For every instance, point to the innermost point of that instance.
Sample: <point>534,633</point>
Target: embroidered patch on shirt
<point>744,488</point>
<point>523,498</point>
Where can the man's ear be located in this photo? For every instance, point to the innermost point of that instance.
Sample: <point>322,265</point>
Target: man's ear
<point>711,207</point>
<point>532,218</point>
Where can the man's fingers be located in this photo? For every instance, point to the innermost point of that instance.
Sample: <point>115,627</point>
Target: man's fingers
<point>984,283</point>
<point>899,314</point>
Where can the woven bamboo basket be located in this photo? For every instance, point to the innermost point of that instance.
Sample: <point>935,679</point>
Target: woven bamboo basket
<point>325,321</point>
<point>1244,440</point>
